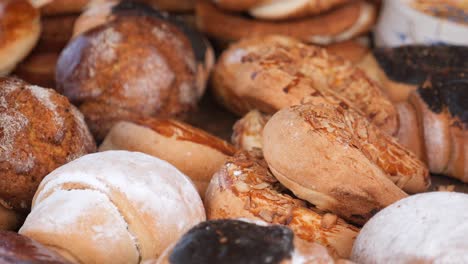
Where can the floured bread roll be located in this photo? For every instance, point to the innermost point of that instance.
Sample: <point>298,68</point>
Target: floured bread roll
<point>128,60</point>
<point>242,241</point>
<point>193,151</point>
<point>245,188</point>
<point>334,158</point>
<point>39,131</point>
<point>18,249</point>
<point>424,228</point>
<point>113,207</point>
<point>20,29</point>
<point>340,24</point>
<point>274,72</point>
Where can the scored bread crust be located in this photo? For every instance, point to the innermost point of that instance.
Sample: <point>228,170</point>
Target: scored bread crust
<point>342,23</point>
<point>244,188</point>
<point>193,151</point>
<point>335,159</point>
<point>273,72</point>
<point>20,29</point>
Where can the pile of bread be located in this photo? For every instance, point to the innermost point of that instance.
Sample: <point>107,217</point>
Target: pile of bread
<point>329,162</point>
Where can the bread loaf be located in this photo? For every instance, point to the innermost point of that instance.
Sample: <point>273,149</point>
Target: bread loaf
<point>113,207</point>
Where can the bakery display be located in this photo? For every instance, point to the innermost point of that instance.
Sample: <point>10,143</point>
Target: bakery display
<point>20,28</point>
<point>117,203</point>
<point>15,248</point>
<point>245,188</point>
<point>241,241</point>
<point>193,151</point>
<point>116,71</point>
<point>433,231</point>
<point>342,23</point>
<point>40,131</point>
<point>273,72</point>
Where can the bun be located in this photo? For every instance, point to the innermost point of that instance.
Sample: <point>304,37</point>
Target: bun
<point>20,28</point>
<point>335,159</point>
<point>274,72</point>
<point>424,228</point>
<point>113,207</point>
<point>218,242</point>
<point>342,24</point>
<point>193,151</point>
<point>38,69</point>
<point>40,131</point>
<point>152,74</point>
<point>244,188</point>
<point>16,249</point>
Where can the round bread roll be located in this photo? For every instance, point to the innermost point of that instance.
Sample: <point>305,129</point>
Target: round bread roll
<point>118,71</point>
<point>218,241</point>
<point>40,131</point>
<point>273,72</point>
<point>334,158</point>
<point>15,248</point>
<point>113,207</point>
<point>424,228</point>
<point>280,9</point>
<point>38,69</point>
<point>194,152</point>
<point>20,28</point>
<point>340,24</point>
<point>245,188</point>
<point>60,7</point>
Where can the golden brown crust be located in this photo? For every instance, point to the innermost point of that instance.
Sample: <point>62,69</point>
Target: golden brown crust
<point>20,28</point>
<point>38,69</point>
<point>335,159</point>
<point>321,29</point>
<point>350,50</point>
<point>40,131</point>
<point>244,188</point>
<point>121,67</point>
<point>270,73</point>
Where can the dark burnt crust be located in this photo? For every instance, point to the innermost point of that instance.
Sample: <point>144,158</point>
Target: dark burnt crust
<point>413,64</point>
<point>200,45</point>
<point>15,248</point>
<point>234,241</point>
<point>447,91</point>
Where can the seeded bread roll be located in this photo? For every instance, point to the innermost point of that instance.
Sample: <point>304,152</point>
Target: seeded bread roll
<point>20,28</point>
<point>115,70</point>
<point>424,228</point>
<point>196,153</point>
<point>218,242</point>
<point>15,248</point>
<point>245,188</point>
<point>274,72</point>
<point>340,24</point>
<point>113,207</point>
<point>40,131</point>
<point>334,158</point>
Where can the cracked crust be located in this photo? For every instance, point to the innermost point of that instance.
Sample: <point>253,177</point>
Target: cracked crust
<point>332,157</point>
<point>245,188</point>
<point>271,73</point>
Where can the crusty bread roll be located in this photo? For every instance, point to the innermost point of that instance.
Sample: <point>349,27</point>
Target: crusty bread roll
<point>15,249</point>
<point>424,228</point>
<point>245,188</point>
<point>273,72</point>
<point>436,124</point>
<point>38,69</point>
<point>340,24</point>
<point>247,131</point>
<point>40,131</point>
<point>402,70</point>
<point>113,207</point>
<point>194,152</point>
<point>19,28</point>
<point>335,159</point>
<point>355,50</point>
<point>117,71</point>
<point>217,241</point>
